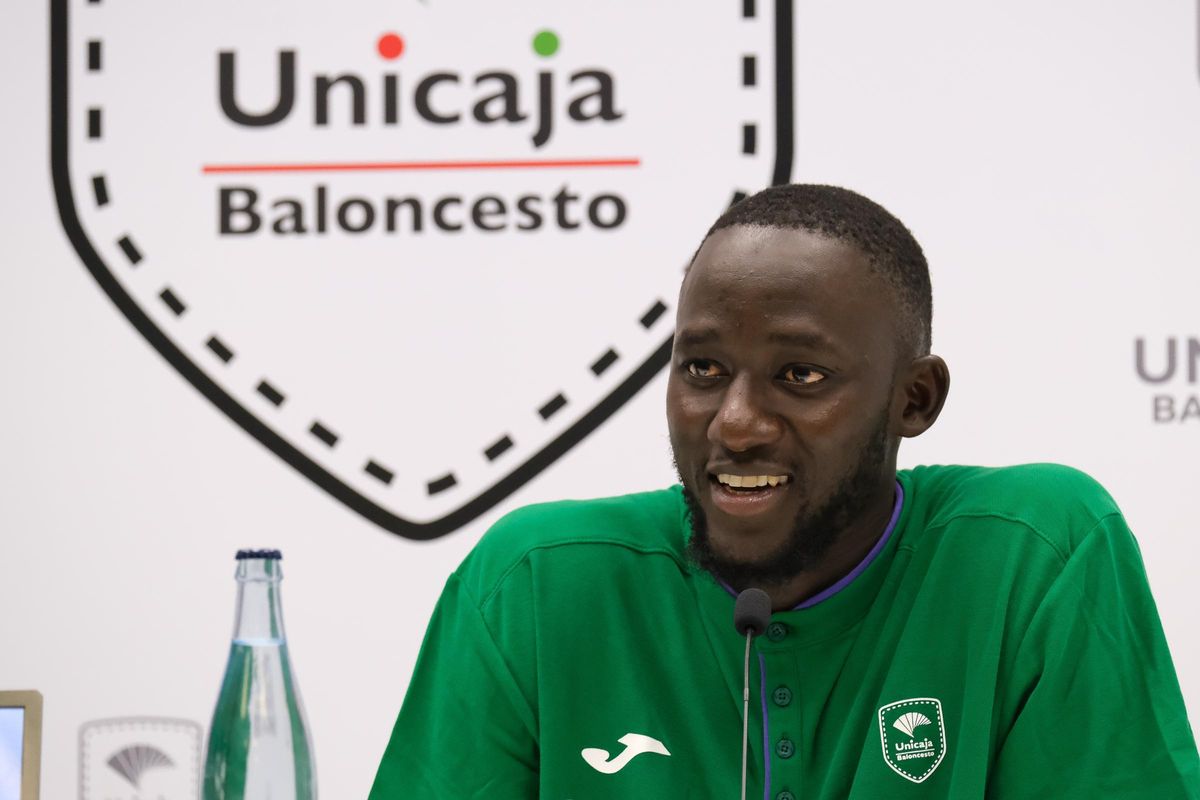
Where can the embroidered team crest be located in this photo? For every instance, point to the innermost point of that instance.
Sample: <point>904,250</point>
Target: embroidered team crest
<point>913,736</point>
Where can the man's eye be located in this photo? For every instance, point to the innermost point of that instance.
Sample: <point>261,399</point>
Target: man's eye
<point>700,368</point>
<point>802,375</point>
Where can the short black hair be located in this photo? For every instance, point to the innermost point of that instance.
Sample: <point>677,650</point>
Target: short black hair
<point>847,216</point>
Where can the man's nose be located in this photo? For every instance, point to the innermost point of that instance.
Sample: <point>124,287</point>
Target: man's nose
<point>744,420</point>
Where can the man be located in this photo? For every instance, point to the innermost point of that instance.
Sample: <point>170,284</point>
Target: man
<point>944,632</point>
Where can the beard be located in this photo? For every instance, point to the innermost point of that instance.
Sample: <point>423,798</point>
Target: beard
<point>813,532</point>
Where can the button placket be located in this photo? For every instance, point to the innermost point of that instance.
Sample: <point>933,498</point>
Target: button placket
<point>782,714</point>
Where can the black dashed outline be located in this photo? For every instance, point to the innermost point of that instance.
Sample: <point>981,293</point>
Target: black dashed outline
<point>172,302</point>
<point>379,472</point>
<point>604,362</point>
<point>324,434</point>
<point>652,314</point>
<point>130,250</point>
<point>439,485</point>
<point>273,395</point>
<point>100,189</point>
<point>749,139</point>
<point>749,72</point>
<point>219,349</point>
<point>552,406</point>
<point>498,447</point>
<point>487,498</point>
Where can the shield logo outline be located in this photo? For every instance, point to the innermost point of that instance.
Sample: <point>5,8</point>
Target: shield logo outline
<point>884,723</point>
<point>274,441</point>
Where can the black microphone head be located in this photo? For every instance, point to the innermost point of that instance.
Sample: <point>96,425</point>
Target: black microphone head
<point>751,612</point>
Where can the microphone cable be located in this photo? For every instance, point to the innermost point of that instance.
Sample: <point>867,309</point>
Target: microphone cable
<point>751,612</point>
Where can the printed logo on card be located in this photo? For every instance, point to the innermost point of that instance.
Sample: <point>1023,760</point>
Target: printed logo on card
<point>139,757</point>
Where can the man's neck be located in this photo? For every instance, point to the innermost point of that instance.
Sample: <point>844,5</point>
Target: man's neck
<point>847,552</point>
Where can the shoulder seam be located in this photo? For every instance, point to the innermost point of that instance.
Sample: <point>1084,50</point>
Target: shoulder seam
<point>1063,557</point>
<point>554,545</point>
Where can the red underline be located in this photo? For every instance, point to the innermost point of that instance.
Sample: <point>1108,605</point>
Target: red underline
<point>391,166</point>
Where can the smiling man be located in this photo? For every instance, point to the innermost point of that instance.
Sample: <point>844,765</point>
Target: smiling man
<point>800,359</point>
<point>944,632</point>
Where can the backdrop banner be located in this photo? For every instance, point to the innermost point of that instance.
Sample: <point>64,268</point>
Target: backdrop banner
<point>353,282</point>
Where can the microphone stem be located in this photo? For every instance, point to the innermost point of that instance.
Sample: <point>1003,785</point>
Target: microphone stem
<point>745,711</point>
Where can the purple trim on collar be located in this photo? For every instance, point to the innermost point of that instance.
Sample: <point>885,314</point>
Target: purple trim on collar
<point>849,577</point>
<point>866,562</point>
<point>762,692</point>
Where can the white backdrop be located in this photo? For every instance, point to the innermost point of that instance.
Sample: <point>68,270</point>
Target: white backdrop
<point>1044,153</point>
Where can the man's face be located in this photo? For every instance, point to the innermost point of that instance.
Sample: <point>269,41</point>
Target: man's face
<point>782,374</point>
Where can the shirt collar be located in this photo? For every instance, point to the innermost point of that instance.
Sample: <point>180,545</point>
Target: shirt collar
<point>849,577</point>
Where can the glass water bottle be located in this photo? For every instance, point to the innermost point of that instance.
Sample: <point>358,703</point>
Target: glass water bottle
<point>258,745</point>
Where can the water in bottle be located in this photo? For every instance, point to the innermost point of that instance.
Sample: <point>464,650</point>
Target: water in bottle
<point>258,745</point>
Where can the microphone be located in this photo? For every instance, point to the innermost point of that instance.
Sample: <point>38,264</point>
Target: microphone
<point>751,612</point>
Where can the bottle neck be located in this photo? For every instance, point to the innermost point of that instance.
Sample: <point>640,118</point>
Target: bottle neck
<point>259,611</point>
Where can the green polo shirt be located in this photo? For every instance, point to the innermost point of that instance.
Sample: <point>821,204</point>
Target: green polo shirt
<point>1002,643</point>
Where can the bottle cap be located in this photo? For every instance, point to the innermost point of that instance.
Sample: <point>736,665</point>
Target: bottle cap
<point>273,555</point>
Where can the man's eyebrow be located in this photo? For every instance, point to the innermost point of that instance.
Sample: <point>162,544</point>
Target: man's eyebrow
<point>802,338</point>
<point>696,336</point>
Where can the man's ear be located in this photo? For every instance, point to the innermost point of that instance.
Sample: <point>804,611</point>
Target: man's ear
<point>921,393</point>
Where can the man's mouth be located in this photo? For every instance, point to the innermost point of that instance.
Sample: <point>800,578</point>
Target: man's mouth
<point>746,495</point>
<point>751,481</point>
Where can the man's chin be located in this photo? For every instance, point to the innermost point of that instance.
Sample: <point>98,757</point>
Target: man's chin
<point>746,557</point>
<point>735,566</point>
<point>744,552</point>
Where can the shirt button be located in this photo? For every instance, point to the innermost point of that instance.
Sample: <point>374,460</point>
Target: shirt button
<point>784,748</point>
<point>777,631</point>
<point>785,795</point>
<point>782,695</point>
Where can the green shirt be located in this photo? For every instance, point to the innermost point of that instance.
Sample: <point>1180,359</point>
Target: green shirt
<point>1003,643</point>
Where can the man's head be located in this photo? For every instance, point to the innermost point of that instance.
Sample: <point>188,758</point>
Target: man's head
<point>800,360</point>
<point>849,217</point>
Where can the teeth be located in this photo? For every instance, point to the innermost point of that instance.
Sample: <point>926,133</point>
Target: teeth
<point>752,481</point>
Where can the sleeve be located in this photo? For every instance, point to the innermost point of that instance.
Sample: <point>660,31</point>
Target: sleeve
<point>465,729</point>
<point>1096,706</point>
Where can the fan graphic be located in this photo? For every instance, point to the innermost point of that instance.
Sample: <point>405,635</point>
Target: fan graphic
<point>132,761</point>
<point>151,758</point>
<point>911,721</point>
